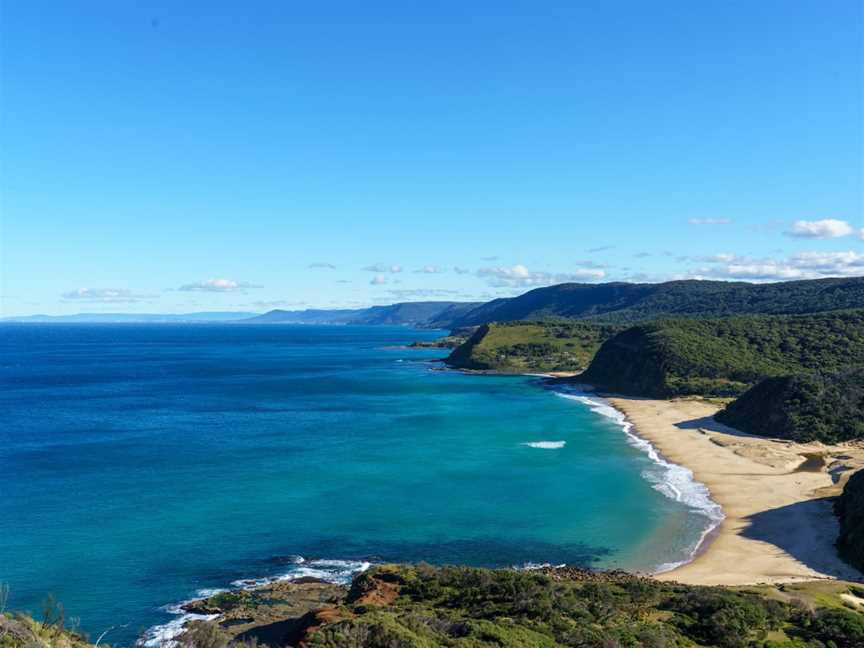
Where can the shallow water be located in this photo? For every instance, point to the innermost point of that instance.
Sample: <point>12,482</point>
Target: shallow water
<point>142,464</point>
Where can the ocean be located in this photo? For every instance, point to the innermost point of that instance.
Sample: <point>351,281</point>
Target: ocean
<point>144,465</point>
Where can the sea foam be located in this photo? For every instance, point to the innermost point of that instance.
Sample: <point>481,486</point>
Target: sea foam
<point>674,481</point>
<point>545,445</point>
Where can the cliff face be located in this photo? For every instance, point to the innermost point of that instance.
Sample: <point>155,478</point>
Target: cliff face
<point>850,510</point>
<point>809,407</point>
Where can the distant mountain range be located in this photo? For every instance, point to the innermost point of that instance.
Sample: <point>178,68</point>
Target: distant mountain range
<point>612,302</point>
<point>421,314</point>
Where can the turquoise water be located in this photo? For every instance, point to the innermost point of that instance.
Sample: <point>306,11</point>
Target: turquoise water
<point>143,464</point>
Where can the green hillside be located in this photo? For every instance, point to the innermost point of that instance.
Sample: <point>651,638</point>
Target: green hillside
<point>627,302</point>
<point>724,357</point>
<point>531,346</point>
<point>806,407</point>
<point>850,510</point>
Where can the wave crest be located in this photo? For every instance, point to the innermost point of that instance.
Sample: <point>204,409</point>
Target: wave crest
<point>545,445</point>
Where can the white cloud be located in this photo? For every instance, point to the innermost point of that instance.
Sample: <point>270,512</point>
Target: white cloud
<point>104,295</point>
<point>378,280</point>
<point>709,221</point>
<point>430,269</point>
<point>602,248</point>
<point>322,266</point>
<point>383,267</point>
<point>519,276</point>
<point>217,286</point>
<point>820,229</point>
<point>805,265</point>
<point>861,234</point>
<point>462,271</point>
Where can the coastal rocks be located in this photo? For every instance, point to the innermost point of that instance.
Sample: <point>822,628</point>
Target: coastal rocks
<point>277,614</point>
<point>380,587</point>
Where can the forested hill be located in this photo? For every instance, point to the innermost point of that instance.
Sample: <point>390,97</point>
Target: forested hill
<point>626,302</point>
<point>807,407</point>
<point>725,356</point>
<point>850,510</point>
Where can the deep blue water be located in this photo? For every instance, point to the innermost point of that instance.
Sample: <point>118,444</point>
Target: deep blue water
<point>140,464</point>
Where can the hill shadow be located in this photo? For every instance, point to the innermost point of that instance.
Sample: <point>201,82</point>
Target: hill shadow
<point>806,531</point>
<point>712,425</point>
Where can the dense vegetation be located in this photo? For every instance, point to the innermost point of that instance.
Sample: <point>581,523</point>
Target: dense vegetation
<point>561,345</point>
<point>725,356</point>
<point>806,407</point>
<point>850,510</point>
<point>626,302</point>
<point>461,607</point>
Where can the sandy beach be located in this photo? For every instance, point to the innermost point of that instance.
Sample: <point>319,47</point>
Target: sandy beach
<point>776,495</point>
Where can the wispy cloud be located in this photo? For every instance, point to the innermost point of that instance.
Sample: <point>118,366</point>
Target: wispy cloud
<point>489,258</point>
<point>709,221</point>
<point>278,303</point>
<point>378,280</point>
<point>104,296</point>
<point>588,263</point>
<point>218,286</point>
<point>383,267</point>
<point>520,276</point>
<point>462,271</point>
<point>320,265</point>
<point>430,269</point>
<point>602,248</point>
<point>821,229</point>
<point>414,293</point>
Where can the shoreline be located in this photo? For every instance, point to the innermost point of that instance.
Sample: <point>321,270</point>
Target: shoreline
<point>778,523</point>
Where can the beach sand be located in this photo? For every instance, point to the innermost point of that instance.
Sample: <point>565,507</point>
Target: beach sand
<point>776,495</point>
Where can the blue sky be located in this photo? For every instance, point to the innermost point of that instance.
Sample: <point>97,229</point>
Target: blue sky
<point>171,157</point>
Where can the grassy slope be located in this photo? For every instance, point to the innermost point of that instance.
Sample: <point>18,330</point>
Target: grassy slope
<point>725,356</point>
<point>531,346</point>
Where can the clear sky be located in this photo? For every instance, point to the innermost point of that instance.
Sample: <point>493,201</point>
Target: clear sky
<point>163,156</point>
